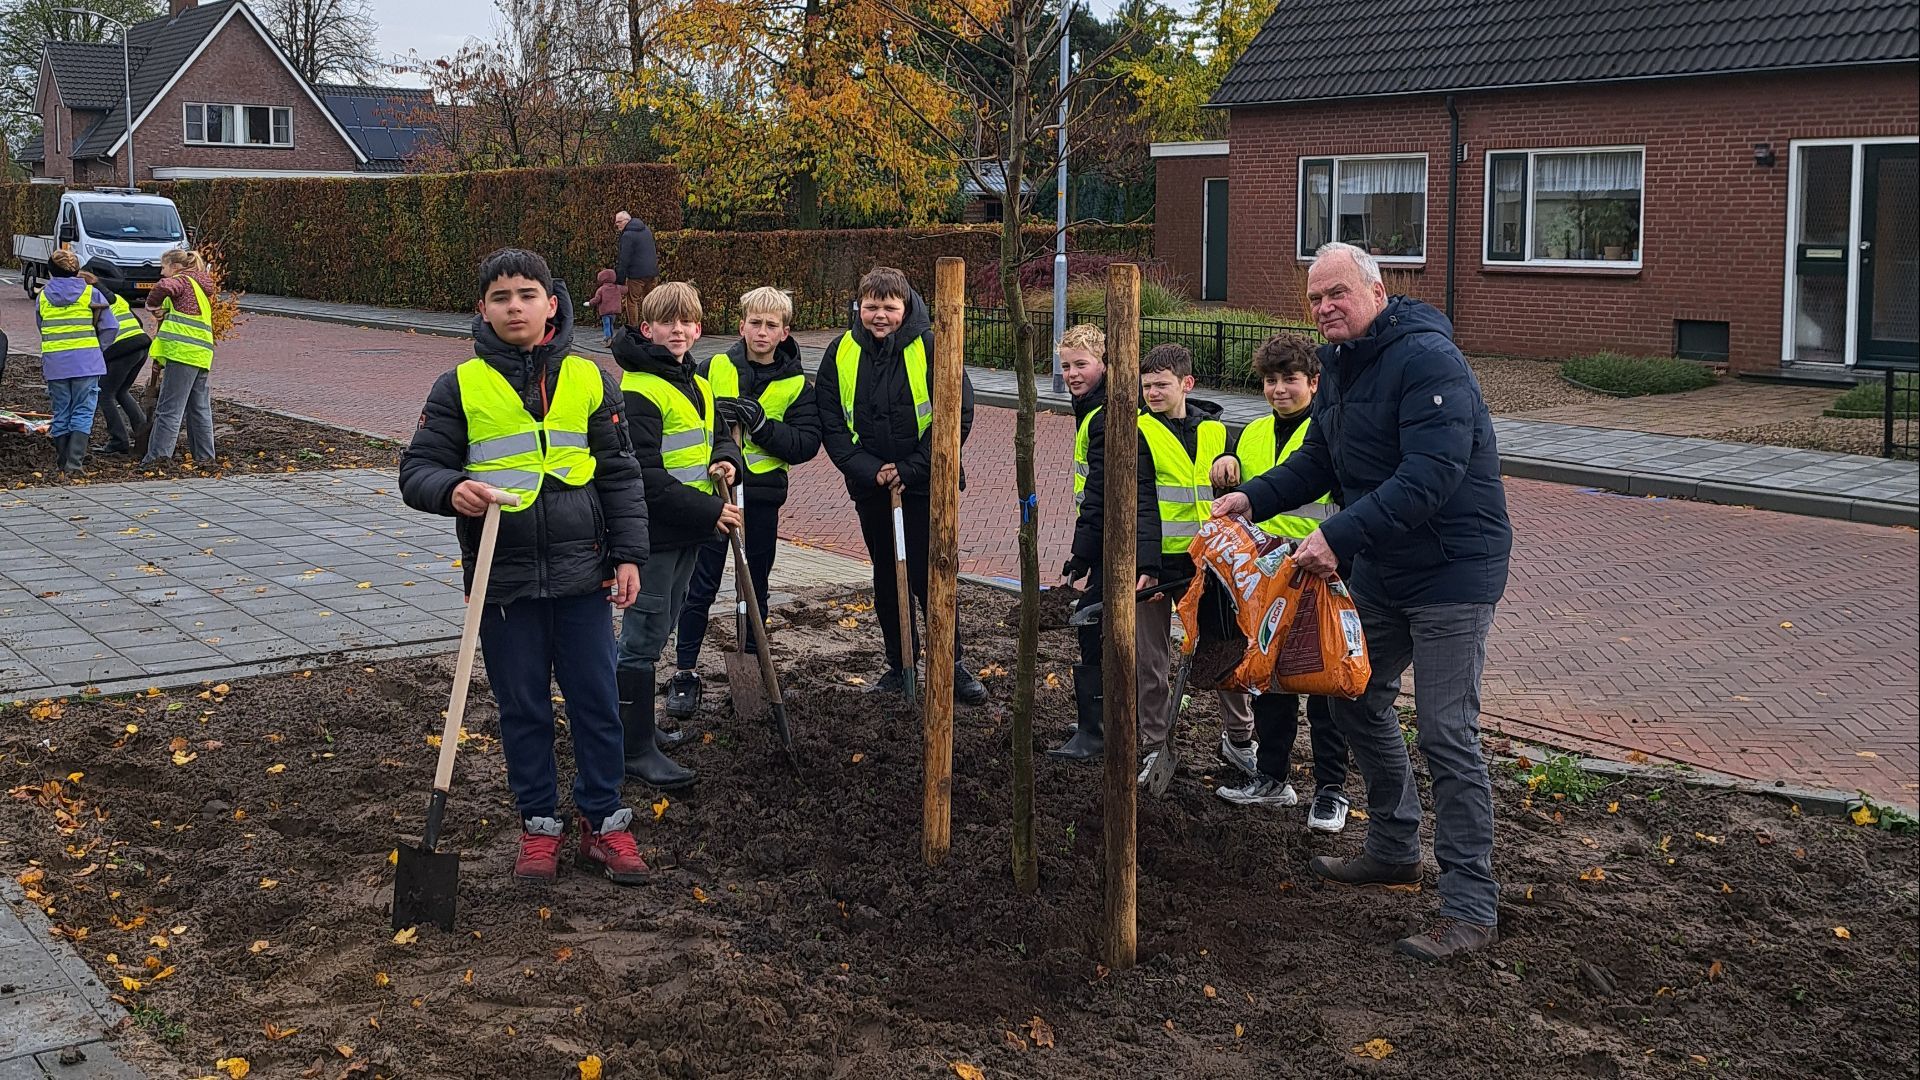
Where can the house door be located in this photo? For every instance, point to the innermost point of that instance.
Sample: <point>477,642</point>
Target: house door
<point>1889,309</point>
<point>1213,244</point>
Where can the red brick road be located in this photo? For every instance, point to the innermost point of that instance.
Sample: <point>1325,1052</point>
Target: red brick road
<point>1630,624</point>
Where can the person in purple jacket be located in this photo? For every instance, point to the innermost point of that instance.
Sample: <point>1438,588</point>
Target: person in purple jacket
<point>74,318</point>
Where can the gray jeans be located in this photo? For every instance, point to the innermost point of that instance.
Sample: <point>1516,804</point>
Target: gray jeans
<point>184,396</point>
<point>663,591</point>
<point>1447,646</point>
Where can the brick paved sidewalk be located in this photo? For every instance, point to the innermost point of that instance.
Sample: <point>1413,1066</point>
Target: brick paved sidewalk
<point>51,1005</point>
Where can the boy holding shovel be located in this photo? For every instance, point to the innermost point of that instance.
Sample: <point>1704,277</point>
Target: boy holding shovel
<point>527,417</point>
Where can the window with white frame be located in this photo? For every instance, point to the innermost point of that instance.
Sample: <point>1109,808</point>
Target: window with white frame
<point>1561,207</point>
<point>1378,203</point>
<point>238,125</point>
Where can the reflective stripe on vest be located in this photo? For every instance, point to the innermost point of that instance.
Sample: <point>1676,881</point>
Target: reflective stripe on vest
<point>129,326</point>
<point>1182,484</point>
<point>187,339</point>
<point>686,434</point>
<point>847,363</point>
<point>504,441</point>
<point>775,399</point>
<point>67,327</point>
<point>1081,466</point>
<point>1257,455</point>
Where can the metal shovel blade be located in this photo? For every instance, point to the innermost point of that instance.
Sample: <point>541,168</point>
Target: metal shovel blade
<point>425,886</point>
<point>744,686</point>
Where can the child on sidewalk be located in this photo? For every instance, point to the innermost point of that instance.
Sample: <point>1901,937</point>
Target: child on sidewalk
<point>526,416</point>
<point>874,394</point>
<point>183,350</point>
<point>606,303</point>
<point>125,358</point>
<point>75,320</point>
<point>1184,437</point>
<point>1289,372</point>
<point>760,392</point>
<point>682,447</point>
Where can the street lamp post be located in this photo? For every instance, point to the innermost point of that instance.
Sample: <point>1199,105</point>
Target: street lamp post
<point>1060,207</point>
<point>126,75</point>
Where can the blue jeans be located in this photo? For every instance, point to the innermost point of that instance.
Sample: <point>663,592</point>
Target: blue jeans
<point>1447,646</point>
<point>645,626</point>
<point>528,645</point>
<point>73,401</point>
<point>606,326</point>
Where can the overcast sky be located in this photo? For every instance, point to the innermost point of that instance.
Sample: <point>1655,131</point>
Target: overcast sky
<point>436,28</point>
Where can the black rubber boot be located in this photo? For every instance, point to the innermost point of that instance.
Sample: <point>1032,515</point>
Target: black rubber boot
<point>645,762</point>
<point>967,690</point>
<point>1088,741</point>
<point>73,460</point>
<point>59,453</point>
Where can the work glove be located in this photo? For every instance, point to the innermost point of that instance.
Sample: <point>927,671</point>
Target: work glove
<point>1075,569</point>
<point>743,411</point>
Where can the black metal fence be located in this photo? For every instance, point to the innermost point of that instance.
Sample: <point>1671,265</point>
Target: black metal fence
<point>1222,351</point>
<point>1900,416</point>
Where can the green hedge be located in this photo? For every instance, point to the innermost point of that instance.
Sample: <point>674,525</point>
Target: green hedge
<point>26,208</point>
<point>1635,376</point>
<point>1869,399</point>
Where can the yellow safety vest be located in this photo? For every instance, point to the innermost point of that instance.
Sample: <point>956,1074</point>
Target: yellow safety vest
<point>129,326</point>
<point>1257,455</point>
<point>775,398</point>
<point>847,364</point>
<point>1185,490</point>
<point>1080,463</point>
<point>686,435</point>
<point>69,327</point>
<point>508,449</point>
<point>183,337</point>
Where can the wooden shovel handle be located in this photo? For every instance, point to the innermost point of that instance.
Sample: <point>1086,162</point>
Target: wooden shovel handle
<point>908,656</point>
<point>469,637</point>
<point>743,585</point>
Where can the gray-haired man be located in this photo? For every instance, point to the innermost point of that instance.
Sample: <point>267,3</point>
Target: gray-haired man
<point>638,266</point>
<point>1399,424</point>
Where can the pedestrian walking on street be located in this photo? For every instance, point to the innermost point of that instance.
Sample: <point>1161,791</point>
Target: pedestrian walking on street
<point>183,350</point>
<point>1400,429</point>
<point>75,319</point>
<point>126,358</point>
<point>638,266</point>
<point>526,416</point>
<point>606,302</point>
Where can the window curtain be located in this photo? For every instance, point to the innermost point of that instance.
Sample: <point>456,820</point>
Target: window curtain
<point>1589,174</point>
<point>1390,176</point>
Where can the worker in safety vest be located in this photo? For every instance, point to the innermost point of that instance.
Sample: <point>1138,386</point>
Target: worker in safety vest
<point>874,394</point>
<point>683,448</point>
<point>528,419</point>
<point>75,320</point>
<point>1289,372</point>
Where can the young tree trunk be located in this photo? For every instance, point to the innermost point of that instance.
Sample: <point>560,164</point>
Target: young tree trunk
<point>1026,864</point>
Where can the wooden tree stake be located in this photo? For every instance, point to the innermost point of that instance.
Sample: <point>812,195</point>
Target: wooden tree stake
<point>943,556</point>
<point>1117,653</point>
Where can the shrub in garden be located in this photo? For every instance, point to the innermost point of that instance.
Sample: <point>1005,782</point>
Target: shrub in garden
<point>1869,399</point>
<point>1636,376</point>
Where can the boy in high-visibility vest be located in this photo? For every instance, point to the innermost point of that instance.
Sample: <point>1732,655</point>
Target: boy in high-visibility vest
<point>1289,372</point>
<point>761,391</point>
<point>1183,437</point>
<point>682,447</point>
<point>528,417</point>
<point>874,391</point>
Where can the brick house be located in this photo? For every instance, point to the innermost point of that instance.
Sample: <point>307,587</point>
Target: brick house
<point>1698,178</point>
<point>213,96</point>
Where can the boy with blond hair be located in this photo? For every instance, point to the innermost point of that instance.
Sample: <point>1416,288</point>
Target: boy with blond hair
<point>761,393</point>
<point>682,448</point>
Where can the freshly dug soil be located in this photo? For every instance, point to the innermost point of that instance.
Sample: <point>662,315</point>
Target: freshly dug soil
<point>245,440</point>
<point>790,929</point>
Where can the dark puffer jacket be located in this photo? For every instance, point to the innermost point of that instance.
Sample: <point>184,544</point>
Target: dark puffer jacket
<point>883,407</point>
<point>680,516</point>
<point>568,542</point>
<point>1401,432</point>
<point>794,438</point>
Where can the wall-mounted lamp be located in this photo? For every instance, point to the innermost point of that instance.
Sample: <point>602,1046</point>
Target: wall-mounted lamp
<point>1763,155</point>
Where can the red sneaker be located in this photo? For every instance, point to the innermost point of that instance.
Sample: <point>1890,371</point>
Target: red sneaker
<point>539,859</point>
<point>613,849</point>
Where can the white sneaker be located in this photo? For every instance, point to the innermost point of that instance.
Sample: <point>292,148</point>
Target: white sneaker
<point>1245,759</point>
<point>1329,811</point>
<point>1262,790</point>
<point>1156,770</point>
<point>1146,766</point>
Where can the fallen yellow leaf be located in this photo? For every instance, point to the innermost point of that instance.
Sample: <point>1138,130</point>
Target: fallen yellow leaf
<point>236,1068</point>
<point>407,936</point>
<point>1714,969</point>
<point>1613,808</point>
<point>1843,933</point>
<point>167,972</point>
<point>223,688</point>
<point>364,585</point>
<point>1595,874</point>
<point>590,1067</point>
<point>468,977</point>
<point>545,914</point>
<point>276,1032</point>
<point>966,1071</point>
<point>343,1049</point>
<point>1376,1049</point>
<point>380,977</point>
<point>699,894</point>
<point>660,808</point>
<point>1239,1031</point>
<point>858,758</point>
<point>276,770</point>
<point>1863,815</point>
<point>260,946</point>
<point>393,857</point>
<point>1784,625</point>
<point>130,985</point>
<point>1210,992</point>
<point>183,757</point>
<point>268,883</point>
<point>1041,1032</point>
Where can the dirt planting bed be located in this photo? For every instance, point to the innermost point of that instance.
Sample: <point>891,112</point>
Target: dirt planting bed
<point>246,440</point>
<point>220,857</point>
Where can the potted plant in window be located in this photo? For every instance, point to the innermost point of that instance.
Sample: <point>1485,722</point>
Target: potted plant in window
<point>1377,244</point>
<point>1612,228</point>
<point>1559,232</point>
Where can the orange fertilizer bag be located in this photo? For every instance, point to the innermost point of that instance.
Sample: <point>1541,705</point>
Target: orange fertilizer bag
<point>1255,623</point>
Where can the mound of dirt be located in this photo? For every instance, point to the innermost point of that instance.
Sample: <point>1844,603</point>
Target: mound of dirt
<point>245,440</point>
<point>221,858</point>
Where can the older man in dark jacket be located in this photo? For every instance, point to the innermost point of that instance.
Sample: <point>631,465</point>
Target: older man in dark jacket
<point>1400,427</point>
<point>638,265</point>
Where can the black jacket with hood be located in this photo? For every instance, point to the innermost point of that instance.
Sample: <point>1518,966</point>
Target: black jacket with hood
<point>568,542</point>
<point>794,438</point>
<point>638,259</point>
<point>681,516</point>
<point>883,407</point>
<point>1187,430</point>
